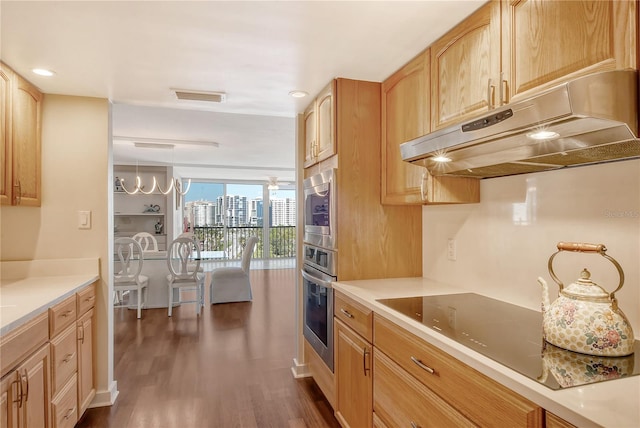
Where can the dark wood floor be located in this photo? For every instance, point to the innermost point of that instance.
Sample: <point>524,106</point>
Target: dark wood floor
<point>229,368</point>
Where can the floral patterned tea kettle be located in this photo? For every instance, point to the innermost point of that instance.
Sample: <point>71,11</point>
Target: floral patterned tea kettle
<point>585,317</point>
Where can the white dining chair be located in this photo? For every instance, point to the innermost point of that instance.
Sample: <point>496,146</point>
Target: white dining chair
<point>147,241</point>
<point>183,260</point>
<point>129,255</point>
<point>233,284</point>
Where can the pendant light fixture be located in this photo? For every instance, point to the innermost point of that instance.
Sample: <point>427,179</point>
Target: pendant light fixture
<point>272,184</point>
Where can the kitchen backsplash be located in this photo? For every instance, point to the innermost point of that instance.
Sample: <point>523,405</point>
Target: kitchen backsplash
<point>504,243</point>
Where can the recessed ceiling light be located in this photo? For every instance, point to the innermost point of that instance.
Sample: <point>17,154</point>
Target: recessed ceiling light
<point>298,94</point>
<point>543,135</point>
<point>43,72</point>
<point>441,159</point>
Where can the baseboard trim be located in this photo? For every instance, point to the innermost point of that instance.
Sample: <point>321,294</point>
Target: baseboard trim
<point>300,370</point>
<point>105,398</point>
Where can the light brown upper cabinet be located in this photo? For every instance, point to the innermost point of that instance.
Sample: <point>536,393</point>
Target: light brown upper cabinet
<point>319,127</point>
<point>549,42</point>
<point>21,106</point>
<point>465,68</point>
<point>405,116</point>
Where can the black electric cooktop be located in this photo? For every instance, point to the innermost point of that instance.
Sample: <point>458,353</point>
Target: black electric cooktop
<point>512,336</point>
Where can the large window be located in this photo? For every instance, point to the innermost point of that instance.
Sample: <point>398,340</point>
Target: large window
<point>224,215</point>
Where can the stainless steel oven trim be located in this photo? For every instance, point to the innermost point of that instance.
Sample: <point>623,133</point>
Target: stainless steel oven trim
<point>322,236</point>
<point>325,352</point>
<point>330,268</point>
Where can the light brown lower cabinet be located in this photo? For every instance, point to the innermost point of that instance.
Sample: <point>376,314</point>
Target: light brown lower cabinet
<point>446,381</point>
<point>354,378</point>
<point>86,389</point>
<point>401,401</point>
<point>64,407</point>
<point>24,393</point>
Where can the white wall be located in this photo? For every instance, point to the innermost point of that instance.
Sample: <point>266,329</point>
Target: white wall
<point>75,176</point>
<point>504,242</point>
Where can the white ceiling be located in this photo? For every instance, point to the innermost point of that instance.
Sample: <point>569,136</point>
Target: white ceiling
<point>134,53</point>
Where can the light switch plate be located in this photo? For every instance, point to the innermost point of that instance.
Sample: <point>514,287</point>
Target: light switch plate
<point>84,219</point>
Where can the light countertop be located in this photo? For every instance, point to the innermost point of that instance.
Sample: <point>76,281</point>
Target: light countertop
<point>610,404</point>
<point>29,288</point>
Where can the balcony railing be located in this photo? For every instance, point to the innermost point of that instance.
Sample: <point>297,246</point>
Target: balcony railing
<point>231,240</point>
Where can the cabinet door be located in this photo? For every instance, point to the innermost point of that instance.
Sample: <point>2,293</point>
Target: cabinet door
<point>5,135</point>
<point>354,379</point>
<point>8,402</point>
<point>325,105</point>
<point>310,137</point>
<point>547,42</point>
<point>405,116</point>
<point>26,110</point>
<point>465,68</point>
<point>86,390</point>
<point>34,375</point>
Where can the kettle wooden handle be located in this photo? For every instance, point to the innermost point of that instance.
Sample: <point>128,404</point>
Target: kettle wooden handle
<point>581,247</point>
<point>586,248</point>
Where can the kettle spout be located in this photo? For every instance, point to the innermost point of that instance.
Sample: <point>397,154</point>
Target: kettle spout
<point>545,294</point>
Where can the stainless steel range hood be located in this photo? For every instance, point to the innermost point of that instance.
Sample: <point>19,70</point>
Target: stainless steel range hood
<point>592,119</point>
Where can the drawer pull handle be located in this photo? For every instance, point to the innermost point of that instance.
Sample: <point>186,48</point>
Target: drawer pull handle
<point>66,313</point>
<point>68,357</point>
<point>89,299</point>
<point>414,425</point>
<point>346,313</point>
<point>70,412</point>
<point>422,366</point>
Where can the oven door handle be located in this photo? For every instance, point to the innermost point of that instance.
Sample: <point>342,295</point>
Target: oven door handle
<point>311,278</point>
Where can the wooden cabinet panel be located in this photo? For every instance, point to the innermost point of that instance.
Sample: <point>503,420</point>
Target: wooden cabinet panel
<point>465,68</point>
<point>64,357</point>
<point>354,315</point>
<point>354,378</point>
<point>476,396</point>
<point>86,299</point>
<point>62,316</point>
<point>64,407</point>
<point>405,116</point>
<point>8,404</point>
<point>6,76</point>
<point>324,377</point>
<point>548,42</point>
<point>20,343</point>
<point>319,127</point>
<point>26,150</point>
<point>555,421</point>
<point>34,377</point>
<point>326,115</point>
<point>86,389</point>
<point>310,136</point>
<point>401,401</point>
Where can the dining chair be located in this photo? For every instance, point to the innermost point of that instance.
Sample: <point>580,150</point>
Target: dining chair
<point>147,241</point>
<point>129,254</point>
<point>233,284</point>
<point>183,260</point>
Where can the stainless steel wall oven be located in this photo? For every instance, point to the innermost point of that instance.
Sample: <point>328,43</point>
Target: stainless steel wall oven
<point>318,272</point>
<point>320,209</point>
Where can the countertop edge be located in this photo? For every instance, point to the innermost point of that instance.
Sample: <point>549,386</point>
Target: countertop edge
<point>564,403</point>
<point>77,285</point>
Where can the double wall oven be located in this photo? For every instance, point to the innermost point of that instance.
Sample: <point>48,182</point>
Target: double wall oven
<point>319,268</point>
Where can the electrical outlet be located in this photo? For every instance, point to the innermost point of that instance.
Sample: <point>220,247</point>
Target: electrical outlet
<point>451,249</point>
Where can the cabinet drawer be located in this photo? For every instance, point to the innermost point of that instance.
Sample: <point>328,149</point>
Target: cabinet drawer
<point>86,299</point>
<point>401,401</point>
<point>21,342</point>
<point>64,407</point>
<point>355,315</point>
<point>473,394</point>
<point>64,357</point>
<point>62,315</point>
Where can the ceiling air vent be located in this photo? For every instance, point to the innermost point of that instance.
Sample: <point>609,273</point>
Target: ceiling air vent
<point>211,97</point>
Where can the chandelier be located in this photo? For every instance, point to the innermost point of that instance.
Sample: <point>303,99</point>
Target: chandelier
<point>272,184</point>
<point>138,187</point>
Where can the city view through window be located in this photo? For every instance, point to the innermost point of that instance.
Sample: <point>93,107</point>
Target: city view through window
<point>224,215</point>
